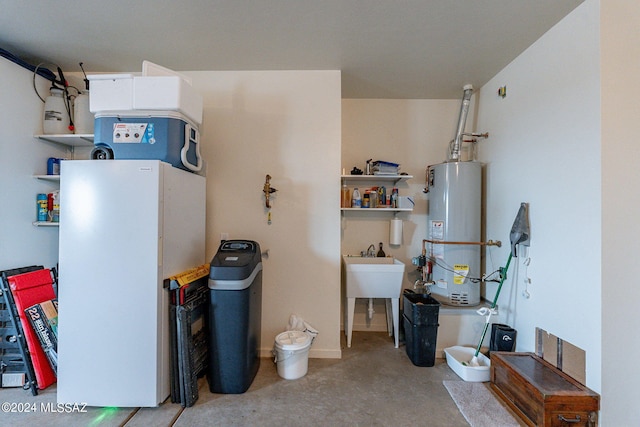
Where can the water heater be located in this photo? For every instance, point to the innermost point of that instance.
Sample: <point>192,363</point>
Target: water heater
<point>453,217</point>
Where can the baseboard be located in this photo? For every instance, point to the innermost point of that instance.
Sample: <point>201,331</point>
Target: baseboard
<point>319,353</point>
<point>373,327</point>
<point>325,353</point>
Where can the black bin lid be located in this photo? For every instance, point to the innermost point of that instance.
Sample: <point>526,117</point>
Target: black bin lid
<point>235,260</point>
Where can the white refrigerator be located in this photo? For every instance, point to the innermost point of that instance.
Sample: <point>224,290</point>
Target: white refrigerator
<point>125,226</point>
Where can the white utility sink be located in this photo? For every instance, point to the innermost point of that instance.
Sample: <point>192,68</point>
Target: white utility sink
<point>368,277</point>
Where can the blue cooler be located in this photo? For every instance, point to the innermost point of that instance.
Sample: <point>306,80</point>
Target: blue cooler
<point>163,135</point>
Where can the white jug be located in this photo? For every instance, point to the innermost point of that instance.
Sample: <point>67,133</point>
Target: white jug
<point>56,117</point>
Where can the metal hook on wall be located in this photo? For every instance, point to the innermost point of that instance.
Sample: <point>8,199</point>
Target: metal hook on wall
<point>268,190</point>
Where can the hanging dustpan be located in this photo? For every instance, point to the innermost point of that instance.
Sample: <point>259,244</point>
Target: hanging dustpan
<point>469,363</point>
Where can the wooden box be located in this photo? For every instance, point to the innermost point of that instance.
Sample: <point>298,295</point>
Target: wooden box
<point>541,394</point>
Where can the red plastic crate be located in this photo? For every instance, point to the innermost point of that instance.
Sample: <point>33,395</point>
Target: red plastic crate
<point>29,289</point>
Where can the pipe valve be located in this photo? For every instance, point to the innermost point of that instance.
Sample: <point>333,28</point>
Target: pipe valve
<point>268,190</point>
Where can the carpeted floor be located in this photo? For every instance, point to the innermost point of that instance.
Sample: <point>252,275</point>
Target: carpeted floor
<point>480,407</point>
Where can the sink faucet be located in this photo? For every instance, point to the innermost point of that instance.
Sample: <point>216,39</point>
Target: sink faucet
<point>371,251</point>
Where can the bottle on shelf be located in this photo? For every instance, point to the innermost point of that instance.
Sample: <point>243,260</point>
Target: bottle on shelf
<point>373,197</point>
<point>382,195</point>
<point>56,115</point>
<point>54,214</point>
<point>356,200</point>
<point>366,200</point>
<point>82,118</point>
<point>346,196</point>
<point>394,198</point>
<point>41,204</point>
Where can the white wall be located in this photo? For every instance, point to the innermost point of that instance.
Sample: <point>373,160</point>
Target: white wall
<point>22,156</point>
<point>620,66</point>
<point>544,149</point>
<point>285,124</point>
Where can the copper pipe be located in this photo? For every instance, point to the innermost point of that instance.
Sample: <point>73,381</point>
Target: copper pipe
<point>497,243</point>
<point>442,242</point>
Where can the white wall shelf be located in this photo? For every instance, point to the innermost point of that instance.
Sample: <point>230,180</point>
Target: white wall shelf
<point>46,224</point>
<point>71,140</point>
<point>376,209</point>
<point>375,178</point>
<point>53,178</point>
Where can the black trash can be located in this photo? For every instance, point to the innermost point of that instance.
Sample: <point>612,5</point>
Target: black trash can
<point>503,338</point>
<point>235,312</point>
<point>420,318</point>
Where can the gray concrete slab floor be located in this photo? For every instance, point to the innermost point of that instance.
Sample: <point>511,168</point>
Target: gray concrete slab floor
<point>374,384</point>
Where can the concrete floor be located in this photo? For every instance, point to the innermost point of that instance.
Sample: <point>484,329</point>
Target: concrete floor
<point>374,384</point>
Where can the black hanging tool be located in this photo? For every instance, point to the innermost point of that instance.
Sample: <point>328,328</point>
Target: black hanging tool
<point>65,87</point>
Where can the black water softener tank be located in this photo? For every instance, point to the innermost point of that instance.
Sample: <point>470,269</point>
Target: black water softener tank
<point>235,311</point>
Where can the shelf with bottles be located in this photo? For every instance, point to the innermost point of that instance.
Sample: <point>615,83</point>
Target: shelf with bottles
<point>371,181</point>
<point>47,203</point>
<point>53,179</point>
<point>48,209</point>
<point>71,140</point>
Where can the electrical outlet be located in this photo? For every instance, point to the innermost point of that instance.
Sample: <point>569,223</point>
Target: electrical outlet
<point>224,236</point>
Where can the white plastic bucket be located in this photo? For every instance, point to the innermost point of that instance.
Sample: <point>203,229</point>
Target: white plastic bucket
<point>292,354</point>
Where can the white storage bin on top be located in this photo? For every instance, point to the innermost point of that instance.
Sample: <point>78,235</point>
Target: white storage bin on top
<point>110,92</point>
<point>167,93</point>
<point>160,91</point>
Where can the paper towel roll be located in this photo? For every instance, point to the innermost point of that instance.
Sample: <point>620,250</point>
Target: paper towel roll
<point>395,232</point>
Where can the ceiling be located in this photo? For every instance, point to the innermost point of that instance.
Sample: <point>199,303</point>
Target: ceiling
<point>424,49</point>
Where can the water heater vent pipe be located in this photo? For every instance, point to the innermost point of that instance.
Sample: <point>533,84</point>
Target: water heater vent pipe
<point>454,154</point>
